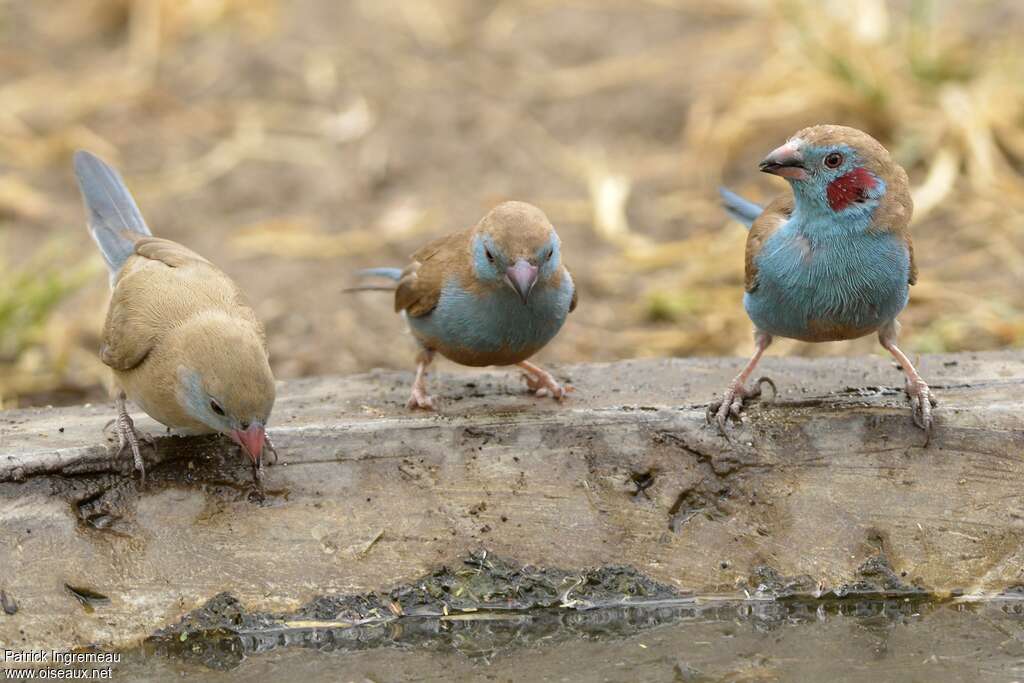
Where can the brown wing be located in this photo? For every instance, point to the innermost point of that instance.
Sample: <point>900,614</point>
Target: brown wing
<point>771,219</point>
<point>575,292</point>
<point>127,336</point>
<point>167,252</point>
<point>893,215</point>
<point>161,284</point>
<point>896,208</point>
<point>420,285</point>
<point>913,266</point>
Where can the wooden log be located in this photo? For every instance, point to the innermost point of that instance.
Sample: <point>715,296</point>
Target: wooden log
<point>828,476</point>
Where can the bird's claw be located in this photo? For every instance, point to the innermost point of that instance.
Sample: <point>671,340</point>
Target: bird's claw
<point>544,384</point>
<point>128,437</point>
<point>921,404</point>
<point>420,399</point>
<point>760,381</point>
<point>269,446</point>
<point>733,401</point>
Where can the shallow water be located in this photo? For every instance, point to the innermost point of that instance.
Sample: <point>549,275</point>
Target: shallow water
<point>863,640</point>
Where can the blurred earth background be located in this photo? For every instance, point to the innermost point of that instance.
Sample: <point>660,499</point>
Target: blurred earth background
<point>293,143</point>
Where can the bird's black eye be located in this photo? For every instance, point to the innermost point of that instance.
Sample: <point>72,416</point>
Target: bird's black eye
<point>551,252</point>
<point>833,160</point>
<point>215,407</point>
<point>488,254</point>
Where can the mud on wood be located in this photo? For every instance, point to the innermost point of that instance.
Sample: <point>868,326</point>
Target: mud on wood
<point>814,486</point>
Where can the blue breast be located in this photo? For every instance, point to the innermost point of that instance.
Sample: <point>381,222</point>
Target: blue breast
<point>495,328</point>
<point>826,280</point>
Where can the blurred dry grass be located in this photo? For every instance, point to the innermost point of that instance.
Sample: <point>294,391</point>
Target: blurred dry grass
<point>38,353</point>
<point>292,143</point>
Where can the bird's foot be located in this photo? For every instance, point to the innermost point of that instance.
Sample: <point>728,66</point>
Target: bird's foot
<point>542,383</point>
<point>128,437</point>
<point>921,403</point>
<point>733,400</point>
<point>420,399</point>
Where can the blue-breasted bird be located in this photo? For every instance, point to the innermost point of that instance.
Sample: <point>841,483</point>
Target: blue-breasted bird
<point>494,294</point>
<point>832,261</point>
<point>180,338</point>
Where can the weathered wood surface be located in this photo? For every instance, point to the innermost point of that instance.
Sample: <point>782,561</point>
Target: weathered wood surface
<point>367,494</point>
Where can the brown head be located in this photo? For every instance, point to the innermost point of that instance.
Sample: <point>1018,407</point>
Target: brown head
<point>515,245</point>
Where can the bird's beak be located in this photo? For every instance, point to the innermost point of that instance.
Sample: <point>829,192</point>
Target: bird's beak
<point>522,277</point>
<point>251,440</point>
<point>785,161</point>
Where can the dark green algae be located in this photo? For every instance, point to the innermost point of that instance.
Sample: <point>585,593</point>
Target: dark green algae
<point>487,605</point>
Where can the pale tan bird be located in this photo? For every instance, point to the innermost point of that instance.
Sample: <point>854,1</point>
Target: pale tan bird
<point>182,341</point>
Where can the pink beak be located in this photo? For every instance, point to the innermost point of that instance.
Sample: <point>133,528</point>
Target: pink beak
<point>251,440</point>
<point>522,276</point>
<point>785,161</point>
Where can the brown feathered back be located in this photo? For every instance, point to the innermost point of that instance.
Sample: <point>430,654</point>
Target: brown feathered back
<point>172,308</point>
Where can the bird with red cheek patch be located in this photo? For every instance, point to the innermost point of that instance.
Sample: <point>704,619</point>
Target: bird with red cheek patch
<point>832,261</point>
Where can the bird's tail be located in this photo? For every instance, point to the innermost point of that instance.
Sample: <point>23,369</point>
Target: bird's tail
<point>393,274</point>
<point>739,208</point>
<point>114,219</point>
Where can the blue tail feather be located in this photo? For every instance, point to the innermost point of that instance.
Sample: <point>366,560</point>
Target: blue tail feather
<point>113,214</point>
<point>389,273</point>
<point>739,208</point>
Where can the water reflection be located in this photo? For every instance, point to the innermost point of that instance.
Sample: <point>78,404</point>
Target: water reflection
<point>484,636</point>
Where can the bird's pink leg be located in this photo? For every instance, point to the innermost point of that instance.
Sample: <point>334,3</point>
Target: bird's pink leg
<point>737,392</point>
<point>921,400</point>
<point>543,383</point>
<point>420,398</point>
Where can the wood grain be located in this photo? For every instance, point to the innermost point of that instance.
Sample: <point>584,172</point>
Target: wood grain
<point>367,495</point>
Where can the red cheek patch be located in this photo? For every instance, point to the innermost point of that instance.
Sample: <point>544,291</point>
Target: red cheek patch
<point>850,188</point>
